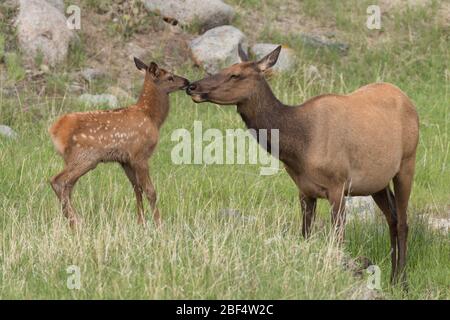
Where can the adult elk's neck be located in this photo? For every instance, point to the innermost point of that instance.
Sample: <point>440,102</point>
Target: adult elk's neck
<point>262,110</point>
<point>154,101</point>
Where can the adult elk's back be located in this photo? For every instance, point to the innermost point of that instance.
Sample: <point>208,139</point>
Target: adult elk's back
<point>127,136</point>
<point>332,145</point>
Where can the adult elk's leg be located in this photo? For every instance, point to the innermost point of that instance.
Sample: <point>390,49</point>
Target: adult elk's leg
<point>131,174</point>
<point>308,206</point>
<point>382,201</point>
<point>337,202</point>
<point>402,188</point>
<point>142,174</point>
<point>63,184</point>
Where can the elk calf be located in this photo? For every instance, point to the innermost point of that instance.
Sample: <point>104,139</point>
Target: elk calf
<point>332,145</point>
<point>127,136</point>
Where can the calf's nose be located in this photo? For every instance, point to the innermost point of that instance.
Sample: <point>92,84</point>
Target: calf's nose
<point>191,87</point>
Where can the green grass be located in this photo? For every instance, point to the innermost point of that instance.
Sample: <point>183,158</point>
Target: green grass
<point>14,67</point>
<point>198,253</point>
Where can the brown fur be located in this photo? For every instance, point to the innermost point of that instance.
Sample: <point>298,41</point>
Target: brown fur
<point>127,136</point>
<point>332,145</point>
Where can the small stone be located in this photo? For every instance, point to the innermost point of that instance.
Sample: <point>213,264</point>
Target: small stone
<point>90,74</point>
<point>7,132</point>
<point>44,68</point>
<point>360,207</point>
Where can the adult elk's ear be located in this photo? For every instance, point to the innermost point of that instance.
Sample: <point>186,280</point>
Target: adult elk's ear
<point>139,64</point>
<point>154,69</point>
<point>242,54</point>
<point>269,60</point>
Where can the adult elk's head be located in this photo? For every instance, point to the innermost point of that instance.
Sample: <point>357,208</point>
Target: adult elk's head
<point>234,84</point>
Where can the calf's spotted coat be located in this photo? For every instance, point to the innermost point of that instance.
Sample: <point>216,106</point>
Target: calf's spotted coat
<point>127,136</point>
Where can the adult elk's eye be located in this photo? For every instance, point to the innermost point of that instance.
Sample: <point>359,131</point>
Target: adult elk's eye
<point>235,76</point>
<point>170,79</point>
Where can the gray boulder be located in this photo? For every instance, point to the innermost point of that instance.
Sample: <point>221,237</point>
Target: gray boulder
<point>206,14</point>
<point>218,48</point>
<point>96,100</point>
<point>58,4</point>
<point>360,208</point>
<point>42,29</point>
<point>286,60</point>
<point>90,74</point>
<point>7,132</point>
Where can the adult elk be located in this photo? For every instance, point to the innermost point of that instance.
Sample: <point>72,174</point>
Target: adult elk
<point>332,145</point>
<point>127,136</point>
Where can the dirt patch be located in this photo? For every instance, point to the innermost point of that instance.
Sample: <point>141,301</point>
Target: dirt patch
<point>163,43</point>
<point>444,14</point>
<point>288,18</point>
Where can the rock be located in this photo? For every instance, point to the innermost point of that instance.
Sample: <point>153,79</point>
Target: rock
<point>286,60</point>
<point>317,41</point>
<point>119,93</point>
<point>42,29</point>
<point>134,50</point>
<point>44,68</point>
<point>436,223</point>
<point>360,207</point>
<point>90,74</point>
<point>440,224</point>
<point>58,4</point>
<point>95,100</point>
<point>7,132</point>
<point>205,14</point>
<point>218,48</point>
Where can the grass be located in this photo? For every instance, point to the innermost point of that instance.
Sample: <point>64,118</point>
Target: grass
<point>199,253</point>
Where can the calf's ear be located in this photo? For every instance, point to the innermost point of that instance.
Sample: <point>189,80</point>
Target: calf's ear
<point>154,69</point>
<point>139,64</point>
